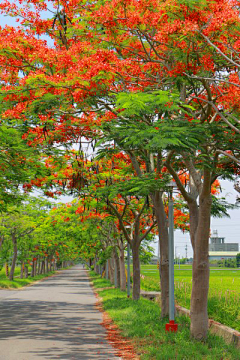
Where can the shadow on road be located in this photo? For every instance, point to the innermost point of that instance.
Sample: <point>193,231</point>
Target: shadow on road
<point>55,328</point>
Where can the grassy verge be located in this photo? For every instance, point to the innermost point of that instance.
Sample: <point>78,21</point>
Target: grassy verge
<point>17,283</point>
<point>224,294</point>
<point>140,321</point>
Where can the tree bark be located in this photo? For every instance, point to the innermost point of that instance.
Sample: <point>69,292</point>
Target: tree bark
<point>111,270</point>
<point>39,265</point>
<point>123,280</point>
<point>50,264</point>
<point>6,269</point>
<point>35,267</point>
<point>22,270</point>
<point>193,220</point>
<point>46,265</point>
<point>199,216</point>
<point>136,270</point>
<point>43,267</point>
<point>32,270</point>
<point>200,277</point>
<point>26,272</point>
<point>95,265</point>
<point>107,270</point>
<point>163,246</point>
<point>14,259</point>
<point>117,265</point>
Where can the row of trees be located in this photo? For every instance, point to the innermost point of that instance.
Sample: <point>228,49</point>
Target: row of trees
<point>232,263</point>
<point>153,88</point>
<point>36,238</point>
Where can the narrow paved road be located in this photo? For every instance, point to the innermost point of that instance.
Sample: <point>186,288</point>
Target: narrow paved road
<point>53,319</point>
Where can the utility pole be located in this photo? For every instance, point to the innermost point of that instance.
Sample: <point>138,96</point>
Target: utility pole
<point>171,326</point>
<point>186,250</point>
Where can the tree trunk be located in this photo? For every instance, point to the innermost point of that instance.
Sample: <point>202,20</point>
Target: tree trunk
<point>22,270</point>
<point>6,269</point>
<point>97,268</point>
<point>35,268</point>
<point>193,220</point>
<point>50,264</point>
<point>42,267</point>
<point>136,270</point>
<point>117,266</point>
<point>14,259</point>
<point>95,265</point>
<point>26,271</point>
<point>46,265</point>
<point>32,270</point>
<point>39,265</point>
<point>107,270</point>
<point>103,270</point>
<point>123,280</point>
<point>163,246</point>
<point>111,270</point>
<point>200,281</point>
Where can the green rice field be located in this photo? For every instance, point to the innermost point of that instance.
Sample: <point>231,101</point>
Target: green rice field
<point>224,291</point>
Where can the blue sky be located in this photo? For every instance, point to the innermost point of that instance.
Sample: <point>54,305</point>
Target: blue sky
<point>226,227</point>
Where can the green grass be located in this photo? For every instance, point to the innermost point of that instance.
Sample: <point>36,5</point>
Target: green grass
<point>100,283</point>
<point>224,291</point>
<point>17,283</point>
<point>140,321</point>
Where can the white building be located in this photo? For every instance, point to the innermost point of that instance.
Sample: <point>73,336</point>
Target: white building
<point>219,250</point>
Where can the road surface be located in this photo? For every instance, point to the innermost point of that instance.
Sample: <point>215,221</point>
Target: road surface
<point>53,319</point>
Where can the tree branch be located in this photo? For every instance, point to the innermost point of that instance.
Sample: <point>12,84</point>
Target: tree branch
<point>148,231</point>
<point>135,163</point>
<point>193,172</point>
<point>116,212</point>
<point>232,157</point>
<point>218,50</point>
<point>180,186</point>
<point>221,116</point>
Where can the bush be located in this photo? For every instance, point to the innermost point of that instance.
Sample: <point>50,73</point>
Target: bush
<point>230,263</point>
<point>238,260</point>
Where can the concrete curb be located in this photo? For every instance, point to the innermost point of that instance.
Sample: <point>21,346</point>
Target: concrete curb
<point>229,335</point>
